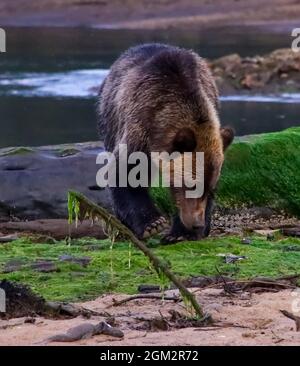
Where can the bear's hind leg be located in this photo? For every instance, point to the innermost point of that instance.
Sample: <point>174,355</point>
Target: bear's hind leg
<point>133,206</point>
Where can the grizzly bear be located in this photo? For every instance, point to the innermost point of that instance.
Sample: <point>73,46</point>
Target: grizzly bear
<point>158,97</point>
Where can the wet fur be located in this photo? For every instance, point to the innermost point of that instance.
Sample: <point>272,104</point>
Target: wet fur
<point>151,93</point>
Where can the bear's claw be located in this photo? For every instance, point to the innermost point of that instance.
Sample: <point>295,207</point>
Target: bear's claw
<point>155,227</point>
<point>169,239</point>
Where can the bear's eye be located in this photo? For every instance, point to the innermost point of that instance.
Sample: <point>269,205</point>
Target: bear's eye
<point>200,120</point>
<point>184,141</point>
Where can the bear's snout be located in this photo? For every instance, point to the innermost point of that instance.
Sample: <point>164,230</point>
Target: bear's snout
<point>193,216</point>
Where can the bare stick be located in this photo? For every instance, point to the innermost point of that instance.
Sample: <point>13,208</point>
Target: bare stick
<point>136,297</point>
<point>293,317</point>
<point>247,283</point>
<point>88,206</point>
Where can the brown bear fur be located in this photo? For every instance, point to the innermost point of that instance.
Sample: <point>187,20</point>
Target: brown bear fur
<point>163,98</point>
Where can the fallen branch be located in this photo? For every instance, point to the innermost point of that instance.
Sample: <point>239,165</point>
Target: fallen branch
<point>293,279</point>
<point>70,310</point>
<point>222,325</point>
<point>293,317</point>
<point>136,297</point>
<point>243,285</point>
<point>82,207</point>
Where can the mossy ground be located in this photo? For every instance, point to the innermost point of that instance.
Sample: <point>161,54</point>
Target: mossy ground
<point>73,282</point>
<point>259,170</point>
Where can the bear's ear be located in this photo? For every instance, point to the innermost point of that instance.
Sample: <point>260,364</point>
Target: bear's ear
<point>227,134</point>
<point>185,141</point>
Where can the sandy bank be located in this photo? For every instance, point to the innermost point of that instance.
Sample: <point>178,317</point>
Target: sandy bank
<point>151,14</point>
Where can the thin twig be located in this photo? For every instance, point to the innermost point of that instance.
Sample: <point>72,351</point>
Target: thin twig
<point>222,325</point>
<point>247,283</point>
<point>278,339</point>
<point>136,297</point>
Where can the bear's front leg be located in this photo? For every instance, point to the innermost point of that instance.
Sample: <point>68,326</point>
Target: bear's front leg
<point>134,208</point>
<point>179,232</point>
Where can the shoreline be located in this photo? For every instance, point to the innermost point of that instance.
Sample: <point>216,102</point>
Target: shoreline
<point>278,15</point>
<point>272,74</point>
<point>56,165</point>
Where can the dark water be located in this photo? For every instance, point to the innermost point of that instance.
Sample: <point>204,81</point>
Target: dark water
<point>48,79</point>
<point>56,49</point>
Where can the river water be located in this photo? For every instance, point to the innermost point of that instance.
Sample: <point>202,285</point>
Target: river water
<point>49,78</point>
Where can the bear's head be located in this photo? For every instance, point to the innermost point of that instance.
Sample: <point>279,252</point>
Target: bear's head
<point>212,140</point>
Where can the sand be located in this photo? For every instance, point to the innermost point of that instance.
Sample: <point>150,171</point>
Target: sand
<point>256,320</point>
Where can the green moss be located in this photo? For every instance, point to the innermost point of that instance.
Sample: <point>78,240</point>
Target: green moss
<point>263,171</point>
<point>68,151</point>
<point>16,151</point>
<point>162,198</point>
<point>259,170</point>
<point>73,282</point>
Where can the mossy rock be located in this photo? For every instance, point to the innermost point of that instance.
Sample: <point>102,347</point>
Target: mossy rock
<point>66,152</point>
<point>16,151</point>
<point>259,170</point>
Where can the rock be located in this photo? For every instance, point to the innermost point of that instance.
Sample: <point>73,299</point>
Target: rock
<point>14,265</point>
<point>44,266</point>
<point>251,81</point>
<point>271,73</point>
<point>246,241</point>
<point>231,258</point>
<point>228,62</point>
<point>83,261</point>
<point>293,231</point>
<point>92,247</point>
<point>8,238</point>
<point>147,289</point>
<point>35,181</point>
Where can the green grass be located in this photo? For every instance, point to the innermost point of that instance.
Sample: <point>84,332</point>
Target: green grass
<point>72,282</point>
<point>259,170</point>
